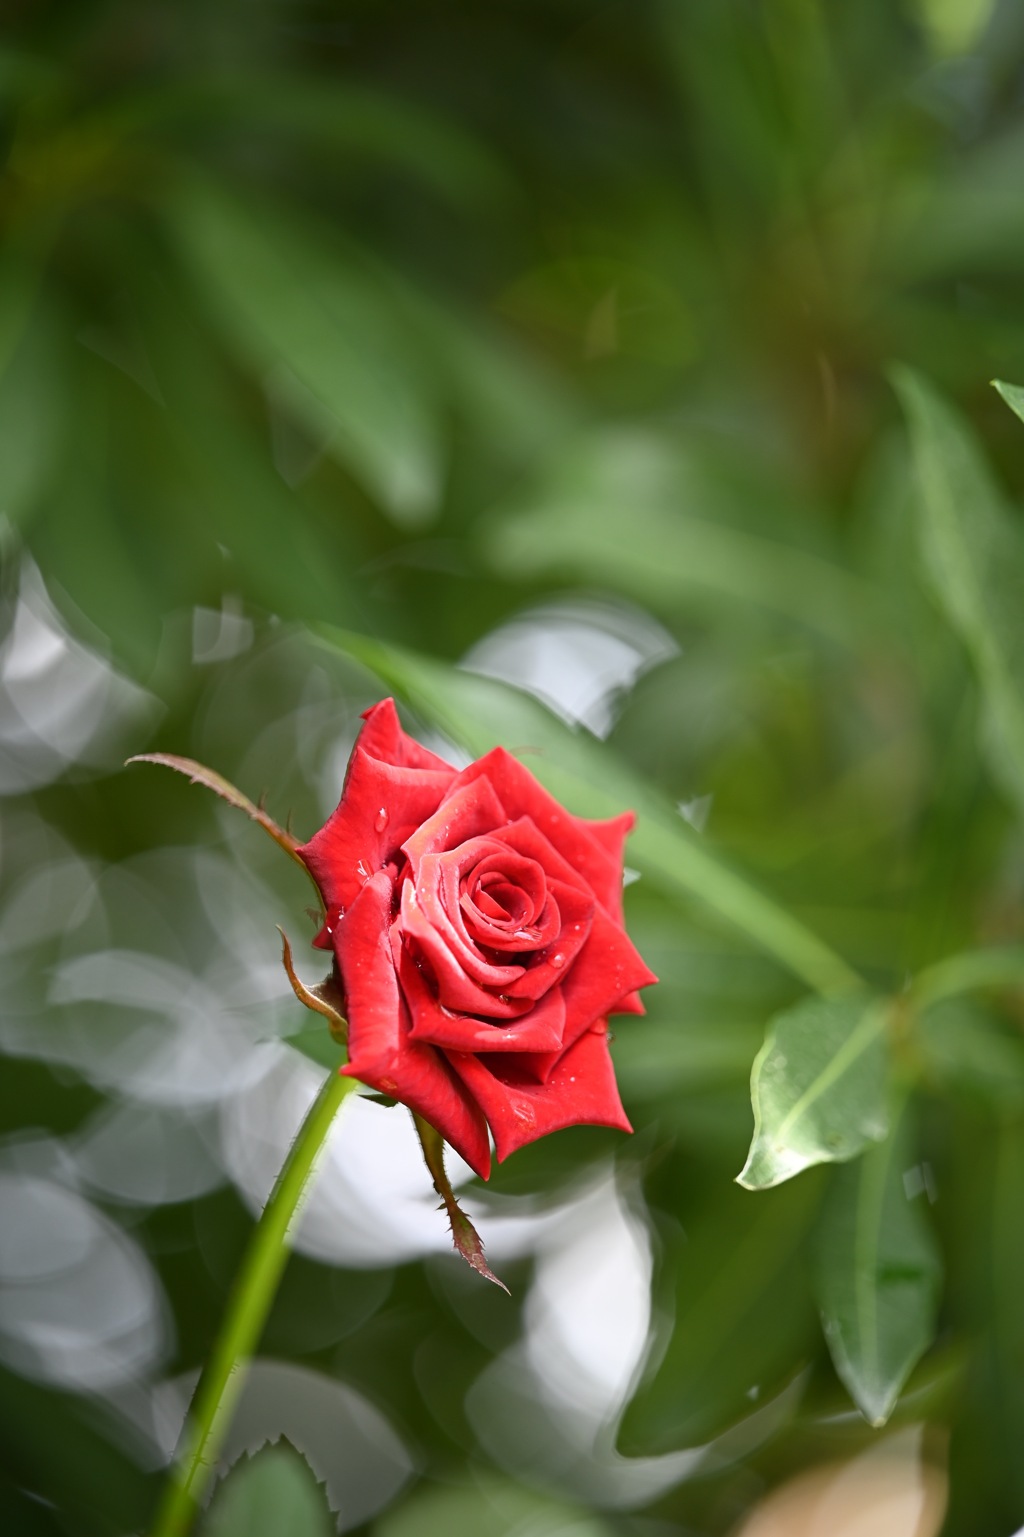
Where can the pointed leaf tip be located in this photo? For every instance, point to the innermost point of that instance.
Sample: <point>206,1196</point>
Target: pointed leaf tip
<point>818,1087</point>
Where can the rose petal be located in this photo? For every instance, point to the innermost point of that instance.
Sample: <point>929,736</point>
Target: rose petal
<point>573,837</point>
<point>380,806</point>
<point>381,1053</point>
<point>608,971</point>
<point>550,966</point>
<point>580,1090</point>
<point>611,834</point>
<point>590,989</point>
<point>382,737</point>
<point>538,1031</point>
<point>466,980</point>
<point>467,811</point>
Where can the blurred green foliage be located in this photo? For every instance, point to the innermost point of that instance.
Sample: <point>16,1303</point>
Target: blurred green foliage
<point>337,343</point>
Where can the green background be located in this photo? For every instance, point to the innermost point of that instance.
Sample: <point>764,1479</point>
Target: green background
<point>637,354</point>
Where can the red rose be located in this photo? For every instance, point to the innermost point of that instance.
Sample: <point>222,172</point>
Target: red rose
<point>477,929</point>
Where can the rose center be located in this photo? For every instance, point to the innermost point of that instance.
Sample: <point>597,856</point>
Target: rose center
<point>505,901</point>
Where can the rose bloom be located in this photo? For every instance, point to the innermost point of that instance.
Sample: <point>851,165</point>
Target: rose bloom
<point>478,937</point>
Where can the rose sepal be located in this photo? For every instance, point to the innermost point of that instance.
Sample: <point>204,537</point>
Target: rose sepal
<point>465,1237</point>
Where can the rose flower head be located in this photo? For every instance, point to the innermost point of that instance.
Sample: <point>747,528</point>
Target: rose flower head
<point>478,940</point>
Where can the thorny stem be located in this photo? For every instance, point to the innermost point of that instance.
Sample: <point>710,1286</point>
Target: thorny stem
<point>248,1308</point>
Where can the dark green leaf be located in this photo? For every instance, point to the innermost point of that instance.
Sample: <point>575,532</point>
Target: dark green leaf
<point>974,555</point>
<point>743,1318</point>
<point>323,331</point>
<point>1013,394</point>
<point>878,1273</point>
<point>818,1087</point>
<point>985,1194</point>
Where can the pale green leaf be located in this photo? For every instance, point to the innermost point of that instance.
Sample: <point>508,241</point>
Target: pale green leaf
<point>818,1087</point>
<point>592,781</point>
<point>270,1495</point>
<point>878,1273</point>
<point>320,329</point>
<point>974,555</point>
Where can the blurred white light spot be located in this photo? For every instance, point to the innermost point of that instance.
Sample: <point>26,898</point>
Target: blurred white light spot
<point>218,634</point>
<point>145,1156</point>
<point>548,1408</point>
<point>80,1305</point>
<point>577,656</point>
<point>371,1202</point>
<point>588,1313</point>
<point>46,902</point>
<point>60,703</point>
<point>347,1442</point>
<point>147,1026</point>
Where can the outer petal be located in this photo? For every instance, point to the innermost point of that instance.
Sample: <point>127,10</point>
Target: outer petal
<point>581,1090</point>
<point>380,1051</point>
<point>611,835</point>
<point>381,804</point>
<point>592,989</point>
<point>573,837</point>
<point>382,737</point>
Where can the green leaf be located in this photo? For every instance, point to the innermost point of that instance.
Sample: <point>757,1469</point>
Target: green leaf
<point>635,510</point>
<point>974,556</point>
<point>317,1043</point>
<point>322,328</point>
<point>878,1274</point>
<point>33,412</point>
<point>356,124</point>
<point>289,561</point>
<point>970,1050</point>
<point>743,1318</point>
<point>273,1493</point>
<point>1000,967</point>
<point>589,778</point>
<point>818,1087</point>
<point>982,1197</point>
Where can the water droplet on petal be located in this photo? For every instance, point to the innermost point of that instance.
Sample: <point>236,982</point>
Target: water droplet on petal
<point>380,821</point>
<point>557,960</point>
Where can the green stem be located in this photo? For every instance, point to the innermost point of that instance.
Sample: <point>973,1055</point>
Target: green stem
<point>969,972</point>
<point>247,1312</point>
